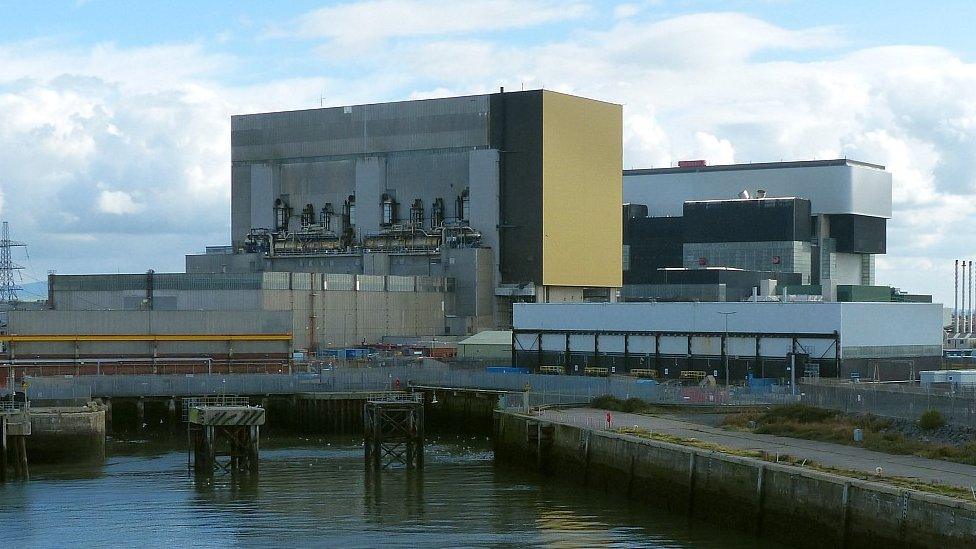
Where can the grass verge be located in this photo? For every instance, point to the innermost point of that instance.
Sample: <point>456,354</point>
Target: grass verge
<point>811,423</point>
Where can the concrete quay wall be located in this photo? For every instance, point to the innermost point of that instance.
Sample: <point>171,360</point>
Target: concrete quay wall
<point>803,507</point>
<point>67,434</point>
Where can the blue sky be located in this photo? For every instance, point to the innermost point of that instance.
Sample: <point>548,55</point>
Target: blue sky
<point>114,116</point>
<point>865,23</point>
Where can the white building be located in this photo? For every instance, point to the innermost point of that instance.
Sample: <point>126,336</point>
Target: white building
<point>874,340</point>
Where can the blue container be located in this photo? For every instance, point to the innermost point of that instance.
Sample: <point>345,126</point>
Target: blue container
<point>506,370</point>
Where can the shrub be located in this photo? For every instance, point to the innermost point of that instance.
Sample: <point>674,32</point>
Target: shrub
<point>931,420</point>
<point>612,403</point>
<point>800,413</point>
<point>634,405</point>
<point>607,402</point>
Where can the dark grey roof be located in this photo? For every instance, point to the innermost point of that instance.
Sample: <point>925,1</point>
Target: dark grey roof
<point>757,166</point>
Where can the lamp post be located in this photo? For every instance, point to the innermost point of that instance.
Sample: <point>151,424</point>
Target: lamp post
<point>725,345</point>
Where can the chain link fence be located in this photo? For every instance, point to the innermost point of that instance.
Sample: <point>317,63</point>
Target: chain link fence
<point>957,404</point>
<point>542,389</point>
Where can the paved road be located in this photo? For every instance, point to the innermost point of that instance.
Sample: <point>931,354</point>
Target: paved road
<point>833,455</point>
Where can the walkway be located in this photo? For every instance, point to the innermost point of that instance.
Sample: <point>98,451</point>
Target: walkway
<point>825,453</point>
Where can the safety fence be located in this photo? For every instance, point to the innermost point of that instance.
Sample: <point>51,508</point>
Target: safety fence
<point>541,389</point>
<point>957,404</point>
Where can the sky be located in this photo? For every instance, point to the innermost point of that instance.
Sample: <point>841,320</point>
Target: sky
<point>115,116</point>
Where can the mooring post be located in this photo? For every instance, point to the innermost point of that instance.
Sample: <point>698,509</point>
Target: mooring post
<point>420,438</point>
<point>759,498</point>
<point>13,443</point>
<point>253,447</point>
<point>22,457</point>
<point>3,448</point>
<point>846,504</point>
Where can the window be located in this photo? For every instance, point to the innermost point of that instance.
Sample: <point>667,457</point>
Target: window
<point>388,213</point>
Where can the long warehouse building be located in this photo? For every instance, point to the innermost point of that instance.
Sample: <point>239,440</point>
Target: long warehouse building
<point>866,340</point>
<point>223,315</point>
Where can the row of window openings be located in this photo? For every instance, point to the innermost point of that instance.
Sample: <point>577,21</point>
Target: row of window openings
<point>388,212</point>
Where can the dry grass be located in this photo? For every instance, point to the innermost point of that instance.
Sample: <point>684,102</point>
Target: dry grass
<point>810,423</point>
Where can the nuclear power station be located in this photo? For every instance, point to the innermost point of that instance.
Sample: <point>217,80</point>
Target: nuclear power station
<point>442,218</point>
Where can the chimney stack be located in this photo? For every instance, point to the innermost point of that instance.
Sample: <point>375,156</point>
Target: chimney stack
<point>969,310</point>
<point>955,307</point>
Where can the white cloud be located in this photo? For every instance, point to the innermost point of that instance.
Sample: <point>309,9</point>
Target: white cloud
<point>720,85</point>
<point>623,11</point>
<point>153,122</point>
<point>118,203</point>
<point>357,27</point>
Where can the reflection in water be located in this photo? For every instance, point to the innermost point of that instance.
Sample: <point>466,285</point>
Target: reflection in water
<point>318,492</point>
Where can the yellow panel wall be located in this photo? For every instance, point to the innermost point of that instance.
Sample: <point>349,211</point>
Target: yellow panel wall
<point>582,192</point>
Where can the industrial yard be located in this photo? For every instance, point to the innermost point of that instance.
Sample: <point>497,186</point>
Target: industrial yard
<point>408,270</point>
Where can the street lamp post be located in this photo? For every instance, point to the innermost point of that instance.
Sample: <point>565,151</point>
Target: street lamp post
<point>725,345</point>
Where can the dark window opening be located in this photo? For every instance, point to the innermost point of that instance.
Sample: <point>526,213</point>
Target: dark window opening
<point>388,212</point>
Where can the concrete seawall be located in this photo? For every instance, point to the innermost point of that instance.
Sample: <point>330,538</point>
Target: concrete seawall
<point>804,507</point>
<point>62,435</point>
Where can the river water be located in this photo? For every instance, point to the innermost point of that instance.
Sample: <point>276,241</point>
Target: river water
<point>315,492</point>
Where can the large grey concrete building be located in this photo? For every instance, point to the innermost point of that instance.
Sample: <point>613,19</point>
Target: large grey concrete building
<point>514,196</point>
<point>823,221</point>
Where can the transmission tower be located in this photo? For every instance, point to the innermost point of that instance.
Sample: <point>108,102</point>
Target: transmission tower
<point>8,286</point>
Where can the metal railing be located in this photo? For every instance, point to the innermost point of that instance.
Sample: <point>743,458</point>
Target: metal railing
<point>218,400</point>
<point>542,389</point>
<point>7,406</point>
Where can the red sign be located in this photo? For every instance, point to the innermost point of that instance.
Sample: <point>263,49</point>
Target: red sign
<point>702,261</point>
<point>776,260</point>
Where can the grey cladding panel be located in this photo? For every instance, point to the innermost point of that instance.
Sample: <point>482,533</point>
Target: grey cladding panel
<point>409,125</point>
<point>262,197</point>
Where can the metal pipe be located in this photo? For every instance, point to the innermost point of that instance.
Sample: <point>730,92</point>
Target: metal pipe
<point>962,300</point>
<point>965,293</point>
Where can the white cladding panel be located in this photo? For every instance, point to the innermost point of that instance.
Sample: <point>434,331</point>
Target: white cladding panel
<point>680,316</point>
<point>831,189</point>
<point>880,324</point>
<point>860,325</point>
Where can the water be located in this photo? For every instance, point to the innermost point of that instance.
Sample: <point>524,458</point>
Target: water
<point>315,492</point>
